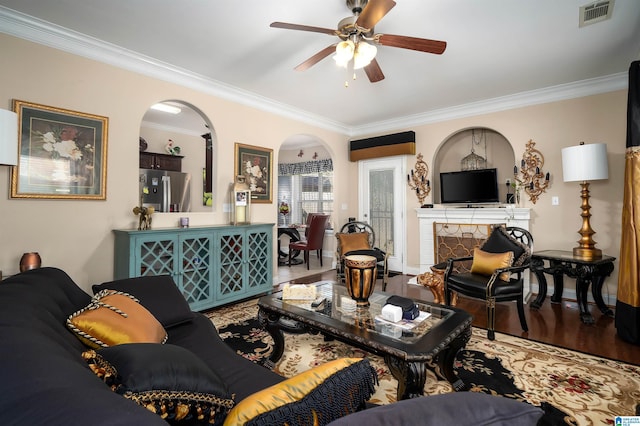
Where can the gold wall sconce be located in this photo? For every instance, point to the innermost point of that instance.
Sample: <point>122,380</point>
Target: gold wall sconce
<point>418,180</point>
<point>531,177</point>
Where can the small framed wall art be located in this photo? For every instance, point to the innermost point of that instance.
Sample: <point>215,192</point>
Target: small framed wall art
<point>62,153</point>
<point>256,164</point>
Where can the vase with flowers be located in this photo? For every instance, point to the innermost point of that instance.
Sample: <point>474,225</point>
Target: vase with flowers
<point>284,210</point>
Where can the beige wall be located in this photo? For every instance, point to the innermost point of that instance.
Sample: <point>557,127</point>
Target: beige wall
<point>76,235</point>
<point>553,126</point>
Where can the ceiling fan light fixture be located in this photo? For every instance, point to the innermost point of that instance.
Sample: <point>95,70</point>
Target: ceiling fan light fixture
<point>344,52</point>
<point>363,55</point>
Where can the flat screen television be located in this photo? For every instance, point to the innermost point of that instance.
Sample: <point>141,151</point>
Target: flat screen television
<point>469,187</point>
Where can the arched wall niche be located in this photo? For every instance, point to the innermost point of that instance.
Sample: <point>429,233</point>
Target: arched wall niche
<point>188,130</point>
<point>499,154</point>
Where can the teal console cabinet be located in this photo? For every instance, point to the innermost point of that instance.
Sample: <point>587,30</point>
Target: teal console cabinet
<point>211,265</point>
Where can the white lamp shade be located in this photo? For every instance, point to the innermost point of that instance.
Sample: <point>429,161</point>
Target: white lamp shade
<point>363,55</point>
<point>585,162</point>
<point>344,52</point>
<point>8,137</point>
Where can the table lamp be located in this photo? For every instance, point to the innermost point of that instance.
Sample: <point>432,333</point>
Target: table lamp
<point>8,138</point>
<point>584,163</point>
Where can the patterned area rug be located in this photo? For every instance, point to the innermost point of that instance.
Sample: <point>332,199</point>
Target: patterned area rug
<point>574,387</point>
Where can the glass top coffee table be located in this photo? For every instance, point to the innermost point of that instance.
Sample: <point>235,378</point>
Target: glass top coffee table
<point>408,348</point>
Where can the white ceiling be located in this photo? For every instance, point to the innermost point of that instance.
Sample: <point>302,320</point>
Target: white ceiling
<point>505,52</point>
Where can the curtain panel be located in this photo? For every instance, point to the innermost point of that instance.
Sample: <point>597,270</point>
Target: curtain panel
<point>628,303</point>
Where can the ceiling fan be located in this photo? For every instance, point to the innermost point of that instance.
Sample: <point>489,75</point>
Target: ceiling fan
<point>358,39</point>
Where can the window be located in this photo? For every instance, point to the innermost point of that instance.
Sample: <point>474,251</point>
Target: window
<point>305,191</point>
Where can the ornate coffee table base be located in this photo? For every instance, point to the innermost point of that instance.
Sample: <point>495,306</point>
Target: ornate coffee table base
<point>411,375</point>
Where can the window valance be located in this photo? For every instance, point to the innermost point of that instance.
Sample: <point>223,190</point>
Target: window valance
<point>317,166</point>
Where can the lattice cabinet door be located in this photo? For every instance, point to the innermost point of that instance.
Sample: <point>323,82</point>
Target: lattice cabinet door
<point>231,264</point>
<point>211,266</point>
<point>260,262</point>
<point>196,278</point>
<point>156,255</point>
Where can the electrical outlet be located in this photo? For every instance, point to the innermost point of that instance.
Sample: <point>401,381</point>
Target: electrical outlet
<point>555,201</point>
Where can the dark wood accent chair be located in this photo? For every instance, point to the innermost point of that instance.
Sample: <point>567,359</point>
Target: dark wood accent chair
<point>500,284</point>
<point>315,238</point>
<point>366,246</point>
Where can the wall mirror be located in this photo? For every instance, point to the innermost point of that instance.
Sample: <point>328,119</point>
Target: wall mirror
<point>176,140</point>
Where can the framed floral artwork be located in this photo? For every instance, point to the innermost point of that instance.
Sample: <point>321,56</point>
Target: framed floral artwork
<point>255,163</point>
<point>62,153</point>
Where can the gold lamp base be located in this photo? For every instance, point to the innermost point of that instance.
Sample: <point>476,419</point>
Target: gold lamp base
<point>587,253</point>
<point>586,250</point>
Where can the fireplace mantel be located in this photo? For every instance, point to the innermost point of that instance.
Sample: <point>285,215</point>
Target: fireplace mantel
<point>510,215</point>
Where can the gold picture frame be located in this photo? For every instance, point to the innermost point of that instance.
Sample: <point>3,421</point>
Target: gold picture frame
<point>62,153</point>
<point>256,164</point>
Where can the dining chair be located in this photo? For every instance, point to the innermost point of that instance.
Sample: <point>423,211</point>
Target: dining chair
<point>315,238</point>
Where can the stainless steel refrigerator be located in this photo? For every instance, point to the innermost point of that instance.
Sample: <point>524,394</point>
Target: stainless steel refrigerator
<point>165,191</point>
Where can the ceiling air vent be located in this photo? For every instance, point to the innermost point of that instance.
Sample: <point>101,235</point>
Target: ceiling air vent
<point>596,12</point>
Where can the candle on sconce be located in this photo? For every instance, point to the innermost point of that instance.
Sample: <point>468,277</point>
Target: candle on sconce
<point>408,179</point>
<point>547,177</point>
<point>515,170</point>
<point>531,186</point>
<point>522,163</point>
<point>537,170</point>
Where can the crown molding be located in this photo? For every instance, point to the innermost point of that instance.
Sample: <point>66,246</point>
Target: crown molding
<point>42,32</point>
<point>578,89</point>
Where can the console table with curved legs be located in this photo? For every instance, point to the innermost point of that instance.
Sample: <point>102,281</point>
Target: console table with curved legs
<point>586,272</point>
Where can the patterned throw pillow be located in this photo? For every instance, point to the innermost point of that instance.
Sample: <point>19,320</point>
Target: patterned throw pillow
<point>168,380</point>
<point>112,318</point>
<point>158,293</point>
<point>485,263</point>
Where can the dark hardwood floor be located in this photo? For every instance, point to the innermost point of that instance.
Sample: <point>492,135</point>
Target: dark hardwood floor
<point>555,324</point>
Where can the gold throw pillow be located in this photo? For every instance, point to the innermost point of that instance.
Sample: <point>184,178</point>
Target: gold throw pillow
<point>113,318</point>
<point>353,241</point>
<point>485,263</point>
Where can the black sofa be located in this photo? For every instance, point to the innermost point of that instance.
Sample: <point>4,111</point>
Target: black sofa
<point>44,378</point>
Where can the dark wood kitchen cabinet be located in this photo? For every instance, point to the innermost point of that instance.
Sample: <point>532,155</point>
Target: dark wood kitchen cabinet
<point>157,161</point>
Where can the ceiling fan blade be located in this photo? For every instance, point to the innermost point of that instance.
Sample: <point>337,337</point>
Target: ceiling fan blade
<point>316,58</point>
<point>413,43</point>
<point>297,27</point>
<point>374,72</point>
<point>373,12</point>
